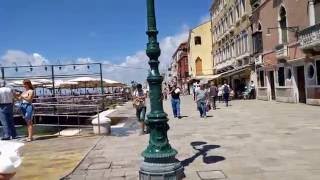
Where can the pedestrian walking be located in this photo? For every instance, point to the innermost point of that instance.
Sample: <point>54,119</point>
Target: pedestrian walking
<point>220,93</point>
<point>201,99</point>
<point>165,93</point>
<point>27,108</point>
<point>252,90</point>
<point>213,93</point>
<point>139,103</point>
<point>226,93</point>
<point>175,101</point>
<point>6,112</point>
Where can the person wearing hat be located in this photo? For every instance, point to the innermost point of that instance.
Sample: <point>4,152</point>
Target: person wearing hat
<point>6,112</point>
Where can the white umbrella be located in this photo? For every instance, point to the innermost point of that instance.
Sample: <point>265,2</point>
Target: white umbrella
<point>64,84</point>
<point>84,79</point>
<point>86,82</point>
<point>43,81</point>
<point>20,83</point>
<point>111,83</point>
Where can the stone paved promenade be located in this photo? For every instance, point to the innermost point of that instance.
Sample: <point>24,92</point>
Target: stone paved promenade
<point>250,140</point>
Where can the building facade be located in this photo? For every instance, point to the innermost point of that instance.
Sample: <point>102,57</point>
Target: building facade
<point>232,47</point>
<point>180,56</point>
<point>199,51</point>
<point>285,71</point>
<point>309,39</point>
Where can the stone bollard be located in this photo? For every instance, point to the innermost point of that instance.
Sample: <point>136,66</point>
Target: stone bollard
<point>105,126</point>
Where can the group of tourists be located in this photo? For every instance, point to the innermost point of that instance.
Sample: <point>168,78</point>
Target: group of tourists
<point>9,98</point>
<point>205,96</point>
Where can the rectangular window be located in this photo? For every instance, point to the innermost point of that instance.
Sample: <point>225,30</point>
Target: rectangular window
<point>261,78</point>
<point>197,40</point>
<point>238,11</point>
<point>281,80</point>
<point>246,43</point>
<point>317,11</point>
<point>318,71</point>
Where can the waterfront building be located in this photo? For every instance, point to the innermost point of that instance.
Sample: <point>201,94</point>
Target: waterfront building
<point>180,56</point>
<point>199,53</point>
<point>232,47</point>
<point>286,50</point>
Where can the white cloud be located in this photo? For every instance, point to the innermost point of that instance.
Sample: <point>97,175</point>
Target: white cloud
<point>134,67</point>
<point>21,58</point>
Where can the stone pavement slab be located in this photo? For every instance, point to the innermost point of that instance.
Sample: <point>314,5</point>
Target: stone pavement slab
<point>250,140</point>
<point>51,159</point>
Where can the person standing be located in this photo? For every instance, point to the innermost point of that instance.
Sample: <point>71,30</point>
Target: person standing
<point>201,98</point>
<point>6,112</point>
<point>194,91</point>
<point>27,108</point>
<point>220,93</point>
<point>226,93</point>
<point>139,102</point>
<point>175,101</point>
<point>213,93</point>
<point>165,93</point>
<point>252,90</point>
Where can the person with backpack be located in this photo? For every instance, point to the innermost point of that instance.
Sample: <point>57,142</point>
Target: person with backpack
<point>226,93</point>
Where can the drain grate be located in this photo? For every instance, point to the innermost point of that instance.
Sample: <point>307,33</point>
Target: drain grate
<point>211,175</point>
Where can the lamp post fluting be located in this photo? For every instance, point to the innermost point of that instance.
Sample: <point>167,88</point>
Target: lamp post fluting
<point>159,157</point>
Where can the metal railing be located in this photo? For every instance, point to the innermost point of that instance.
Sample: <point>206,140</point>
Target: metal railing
<point>58,114</point>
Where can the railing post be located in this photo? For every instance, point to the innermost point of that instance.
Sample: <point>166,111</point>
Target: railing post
<point>98,113</point>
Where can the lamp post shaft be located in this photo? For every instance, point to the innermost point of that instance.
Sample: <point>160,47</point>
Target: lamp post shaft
<point>159,156</point>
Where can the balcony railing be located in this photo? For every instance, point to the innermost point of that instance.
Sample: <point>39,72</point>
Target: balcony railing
<point>309,38</point>
<point>282,51</point>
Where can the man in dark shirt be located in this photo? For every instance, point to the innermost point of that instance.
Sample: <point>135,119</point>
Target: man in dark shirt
<point>175,101</point>
<point>213,92</point>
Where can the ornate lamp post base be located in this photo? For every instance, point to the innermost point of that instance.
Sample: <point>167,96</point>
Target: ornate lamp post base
<point>167,171</point>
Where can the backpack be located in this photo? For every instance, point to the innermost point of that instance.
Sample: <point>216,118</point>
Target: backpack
<point>226,89</point>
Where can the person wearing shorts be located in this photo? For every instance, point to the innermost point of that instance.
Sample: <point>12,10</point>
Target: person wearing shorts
<point>26,107</point>
<point>139,102</point>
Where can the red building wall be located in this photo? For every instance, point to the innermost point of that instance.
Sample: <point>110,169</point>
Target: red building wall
<point>268,14</point>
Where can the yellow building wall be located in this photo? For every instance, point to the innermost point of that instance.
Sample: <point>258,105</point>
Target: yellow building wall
<point>202,51</point>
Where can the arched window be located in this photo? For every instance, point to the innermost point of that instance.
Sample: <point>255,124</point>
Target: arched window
<point>243,3</point>
<point>283,25</point>
<point>199,66</point>
<point>259,27</point>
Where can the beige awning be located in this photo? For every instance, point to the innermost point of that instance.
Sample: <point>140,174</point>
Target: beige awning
<point>208,77</point>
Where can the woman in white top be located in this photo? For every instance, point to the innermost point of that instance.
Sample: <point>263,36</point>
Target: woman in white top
<point>139,102</point>
<point>26,106</point>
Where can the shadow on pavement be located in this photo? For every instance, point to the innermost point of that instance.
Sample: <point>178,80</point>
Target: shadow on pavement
<point>203,150</point>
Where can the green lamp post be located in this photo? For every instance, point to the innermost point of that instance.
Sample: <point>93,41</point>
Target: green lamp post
<point>159,157</point>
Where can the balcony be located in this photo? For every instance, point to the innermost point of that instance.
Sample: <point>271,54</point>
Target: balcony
<point>258,60</point>
<point>309,38</point>
<point>282,51</point>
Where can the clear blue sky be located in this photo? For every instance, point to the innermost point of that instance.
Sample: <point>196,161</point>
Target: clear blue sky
<point>100,29</point>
